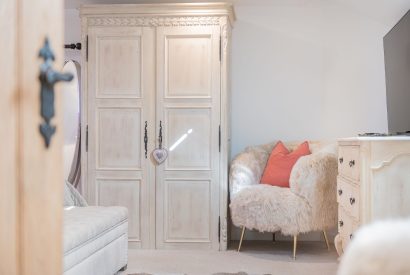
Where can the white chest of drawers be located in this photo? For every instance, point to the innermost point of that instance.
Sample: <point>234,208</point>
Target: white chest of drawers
<point>373,182</point>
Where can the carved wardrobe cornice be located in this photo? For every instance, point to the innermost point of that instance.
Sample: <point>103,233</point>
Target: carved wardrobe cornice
<point>153,21</point>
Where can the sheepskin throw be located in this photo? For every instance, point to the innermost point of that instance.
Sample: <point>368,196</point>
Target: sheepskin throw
<point>308,205</point>
<point>381,248</point>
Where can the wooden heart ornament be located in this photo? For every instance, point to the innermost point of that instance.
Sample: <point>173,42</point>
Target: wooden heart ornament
<point>160,155</point>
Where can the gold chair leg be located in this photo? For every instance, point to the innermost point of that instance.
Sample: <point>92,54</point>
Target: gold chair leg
<point>240,241</point>
<point>295,240</point>
<point>326,239</point>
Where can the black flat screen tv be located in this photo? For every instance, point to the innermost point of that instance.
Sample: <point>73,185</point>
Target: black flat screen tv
<point>397,67</point>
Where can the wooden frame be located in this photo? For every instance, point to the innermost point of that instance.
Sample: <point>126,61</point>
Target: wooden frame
<point>31,175</point>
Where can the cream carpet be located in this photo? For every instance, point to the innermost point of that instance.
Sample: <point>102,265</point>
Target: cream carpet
<point>255,258</point>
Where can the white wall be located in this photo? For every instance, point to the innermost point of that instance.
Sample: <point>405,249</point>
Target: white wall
<point>306,71</point>
<point>72,33</point>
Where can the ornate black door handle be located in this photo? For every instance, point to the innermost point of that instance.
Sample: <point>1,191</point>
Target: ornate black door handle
<point>48,77</point>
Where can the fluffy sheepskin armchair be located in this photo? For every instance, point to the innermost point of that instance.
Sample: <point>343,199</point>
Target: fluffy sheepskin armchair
<point>380,248</point>
<point>308,205</point>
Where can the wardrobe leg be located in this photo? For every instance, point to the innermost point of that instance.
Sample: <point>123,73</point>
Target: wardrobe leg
<point>326,240</point>
<point>295,240</point>
<point>240,241</point>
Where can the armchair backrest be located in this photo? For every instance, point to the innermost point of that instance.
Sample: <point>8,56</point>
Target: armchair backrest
<point>248,166</point>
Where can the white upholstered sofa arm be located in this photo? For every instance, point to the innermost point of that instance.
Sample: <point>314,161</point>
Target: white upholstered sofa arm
<point>314,178</point>
<point>246,169</point>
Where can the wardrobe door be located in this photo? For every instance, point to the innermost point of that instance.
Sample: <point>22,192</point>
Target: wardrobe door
<point>121,81</point>
<point>188,108</point>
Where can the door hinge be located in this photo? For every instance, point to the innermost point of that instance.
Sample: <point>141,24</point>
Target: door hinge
<point>219,139</point>
<point>219,229</point>
<point>86,48</point>
<point>220,48</point>
<point>86,138</point>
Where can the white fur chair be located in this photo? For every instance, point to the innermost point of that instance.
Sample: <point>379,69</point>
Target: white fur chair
<point>308,205</point>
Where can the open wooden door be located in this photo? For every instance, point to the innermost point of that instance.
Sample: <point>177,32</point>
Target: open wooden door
<point>30,173</point>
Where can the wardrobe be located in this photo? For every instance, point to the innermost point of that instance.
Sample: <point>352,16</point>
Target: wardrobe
<point>155,119</point>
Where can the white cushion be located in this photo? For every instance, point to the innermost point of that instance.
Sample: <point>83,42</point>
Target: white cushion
<point>89,229</point>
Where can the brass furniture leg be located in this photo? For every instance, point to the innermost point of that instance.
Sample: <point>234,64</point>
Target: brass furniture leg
<point>295,240</point>
<point>240,241</point>
<point>326,239</point>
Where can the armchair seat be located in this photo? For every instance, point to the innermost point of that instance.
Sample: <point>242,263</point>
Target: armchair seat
<point>270,209</point>
<point>309,204</point>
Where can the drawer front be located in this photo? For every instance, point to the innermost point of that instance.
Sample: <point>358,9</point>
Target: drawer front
<point>343,227</point>
<point>349,161</point>
<point>348,195</point>
<point>349,234</point>
<point>347,226</point>
<point>340,222</point>
<point>343,191</point>
<point>354,202</point>
<point>340,191</point>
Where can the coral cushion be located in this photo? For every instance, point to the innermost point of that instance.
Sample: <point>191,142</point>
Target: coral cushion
<point>281,162</point>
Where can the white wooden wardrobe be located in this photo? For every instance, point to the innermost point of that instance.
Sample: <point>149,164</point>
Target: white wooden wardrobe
<point>147,66</point>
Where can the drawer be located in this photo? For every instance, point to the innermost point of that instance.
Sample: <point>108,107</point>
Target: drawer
<point>342,191</point>
<point>349,161</point>
<point>348,196</point>
<point>350,233</point>
<point>346,226</point>
<point>343,223</point>
<point>354,201</point>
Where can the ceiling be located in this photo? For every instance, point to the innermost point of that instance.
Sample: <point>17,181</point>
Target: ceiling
<point>384,11</point>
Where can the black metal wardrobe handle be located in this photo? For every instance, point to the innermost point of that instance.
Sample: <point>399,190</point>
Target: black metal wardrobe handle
<point>146,140</point>
<point>160,135</point>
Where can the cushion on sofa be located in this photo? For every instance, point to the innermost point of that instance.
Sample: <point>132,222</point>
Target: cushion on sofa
<point>72,197</point>
<point>89,229</point>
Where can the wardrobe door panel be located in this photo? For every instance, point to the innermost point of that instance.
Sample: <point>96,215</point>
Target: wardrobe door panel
<point>188,65</point>
<point>120,104</point>
<point>116,150</point>
<point>189,138</point>
<point>188,105</point>
<point>119,54</point>
<point>188,210</point>
<point>124,193</point>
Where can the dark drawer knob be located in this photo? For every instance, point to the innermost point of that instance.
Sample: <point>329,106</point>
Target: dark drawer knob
<point>351,236</point>
<point>340,160</point>
<point>351,163</point>
<point>340,191</point>
<point>352,201</point>
<point>341,223</point>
